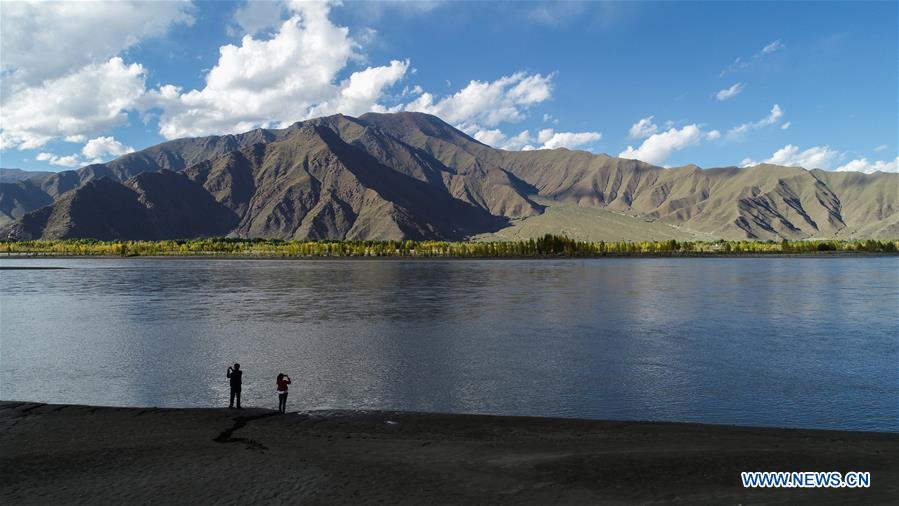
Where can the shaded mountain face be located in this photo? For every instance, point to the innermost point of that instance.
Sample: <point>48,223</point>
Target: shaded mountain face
<point>172,155</point>
<point>412,176</point>
<point>155,205</point>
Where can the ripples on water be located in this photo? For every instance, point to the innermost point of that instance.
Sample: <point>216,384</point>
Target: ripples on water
<point>800,342</point>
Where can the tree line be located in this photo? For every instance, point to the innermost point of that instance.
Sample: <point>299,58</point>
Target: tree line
<point>546,246</point>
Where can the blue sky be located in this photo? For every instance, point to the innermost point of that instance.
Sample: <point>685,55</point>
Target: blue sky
<point>712,83</point>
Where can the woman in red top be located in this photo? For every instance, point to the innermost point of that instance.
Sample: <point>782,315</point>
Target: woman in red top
<point>282,381</point>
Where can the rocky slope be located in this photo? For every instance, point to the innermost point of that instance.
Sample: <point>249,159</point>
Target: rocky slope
<point>412,176</point>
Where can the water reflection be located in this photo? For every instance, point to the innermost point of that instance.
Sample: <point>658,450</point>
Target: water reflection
<point>774,341</point>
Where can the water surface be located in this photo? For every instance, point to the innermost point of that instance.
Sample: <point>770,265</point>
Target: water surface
<point>794,342</point>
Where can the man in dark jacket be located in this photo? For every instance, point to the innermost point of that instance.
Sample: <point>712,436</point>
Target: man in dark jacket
<point>235,374</point>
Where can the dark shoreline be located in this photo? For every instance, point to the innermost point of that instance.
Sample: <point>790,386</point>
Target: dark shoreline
<point>65,454</point>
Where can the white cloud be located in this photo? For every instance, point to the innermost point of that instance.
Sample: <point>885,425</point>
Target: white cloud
<point>822,157</point>
<point>552,139</point>
<point>713,135</point>
<point>880,148</point>
<point>362,90</point>
<point>658,147</point>
<point>47,40</point>
<point>104,147</point>
<point>276,81</point>
<point>488,103</point>
<point>816,157</point>
<point>65,161</point>
<point>777,45</point>
<point>546,139</point>
<point>96,150</point>
<point>77,139</point>
<point>728,93</point>
<point>863,165</point>
<point>256,16</point>
<point>786,126</point>
<point>415,90</point>
<point>773,117</point>
<point>519,141</point>
<point>92,99</point>
<point>495,137</point>
<point>643,128</point>
<point>741,63</point>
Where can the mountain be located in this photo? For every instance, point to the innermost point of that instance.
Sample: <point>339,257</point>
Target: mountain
<point>16,175</point>
<point>151,205</point>
<point>413,176</point>
<point>172,155</point>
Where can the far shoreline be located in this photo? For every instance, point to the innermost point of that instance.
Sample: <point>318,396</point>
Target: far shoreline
<point>219,256</point>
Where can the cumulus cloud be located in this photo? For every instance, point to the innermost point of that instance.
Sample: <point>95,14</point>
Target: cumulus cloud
<point>658,147</point>
<point>728,93</point>
<point>880,148</point>
<point>61,77</point>
<point>546,138</point>
<point>494,137</point>
<point>362,90</point>
<point>281,71</point>
<point>786,126</point>
<point>64,161</point>
<point>773,117</point>
<point>816,157</point>
<point>291,76</point>
<point>552,139</point>
<point>863,165</point>
<point>823,157</point>
<point>713,135</point>
<point>104,147</point>
<point>272,82</point>
<point>96,150</point>
<point>488,103</point>
<point>47,40</point>
<point>255,16</point>
<point>92,99</point>
<point>643,128</point>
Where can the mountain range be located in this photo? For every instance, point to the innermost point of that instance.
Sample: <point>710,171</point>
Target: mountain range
<point>413,176</point>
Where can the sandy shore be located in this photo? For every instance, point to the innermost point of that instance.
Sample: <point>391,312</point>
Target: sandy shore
<point>57,454</point>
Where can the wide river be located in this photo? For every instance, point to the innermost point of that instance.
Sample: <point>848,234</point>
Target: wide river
<point>791,342</point>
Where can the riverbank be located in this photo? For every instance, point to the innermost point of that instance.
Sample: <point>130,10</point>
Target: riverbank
<point>228,256</point>
<point>80,454</point>
<point>548,246</point>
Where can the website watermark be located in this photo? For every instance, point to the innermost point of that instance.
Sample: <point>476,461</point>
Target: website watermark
<point>806,479</point>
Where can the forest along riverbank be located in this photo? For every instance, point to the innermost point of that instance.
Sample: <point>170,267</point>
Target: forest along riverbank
<point>60,453</point>
<point>541,247</point>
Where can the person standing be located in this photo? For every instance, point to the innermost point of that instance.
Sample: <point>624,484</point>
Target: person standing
<point>282,381</point>
<point>236,377</point>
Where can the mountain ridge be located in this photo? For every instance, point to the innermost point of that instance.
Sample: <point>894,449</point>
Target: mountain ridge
<point>413,176</point>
